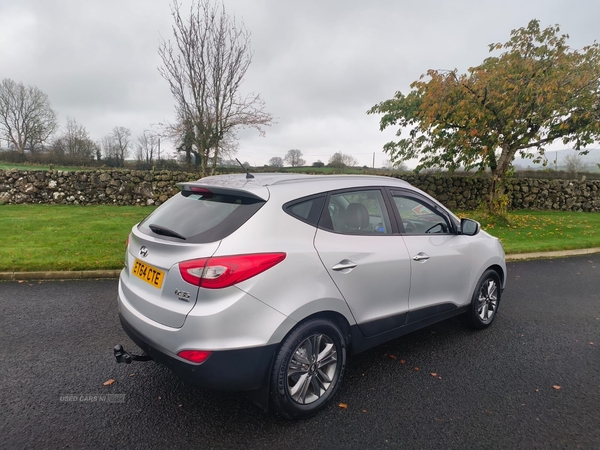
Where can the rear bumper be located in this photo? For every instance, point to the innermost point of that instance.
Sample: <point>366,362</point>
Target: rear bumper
<point>227,370</point>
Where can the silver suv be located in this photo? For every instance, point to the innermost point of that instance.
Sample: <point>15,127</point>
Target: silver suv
<point>267,284</point>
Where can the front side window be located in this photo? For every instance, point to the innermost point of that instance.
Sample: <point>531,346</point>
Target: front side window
<point>419,217</point>
<point>356,212</point>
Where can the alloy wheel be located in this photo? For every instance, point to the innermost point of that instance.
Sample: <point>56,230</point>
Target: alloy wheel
<point>311,369</point>
<point>488,300</point>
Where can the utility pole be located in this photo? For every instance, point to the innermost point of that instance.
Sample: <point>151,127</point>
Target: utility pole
<point>159,149</point>
<point>373,160</point>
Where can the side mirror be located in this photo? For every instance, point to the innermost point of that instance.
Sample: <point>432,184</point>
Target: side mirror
<point>469,227</point>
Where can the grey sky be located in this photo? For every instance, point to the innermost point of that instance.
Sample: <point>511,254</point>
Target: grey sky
<point>319,65</point>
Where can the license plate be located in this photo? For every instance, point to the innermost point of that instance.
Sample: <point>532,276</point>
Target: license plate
<point>149,274</point>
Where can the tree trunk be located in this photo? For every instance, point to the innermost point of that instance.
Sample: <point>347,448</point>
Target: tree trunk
<point>496,204</point>
<point>214,160</point>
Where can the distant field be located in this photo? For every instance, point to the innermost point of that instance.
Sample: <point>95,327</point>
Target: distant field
<point>324,170</point>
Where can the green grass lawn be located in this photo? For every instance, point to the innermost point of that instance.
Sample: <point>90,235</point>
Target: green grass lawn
<point>538,231</point>
<point>65,237</point>
<point>68,237</point>
<point>9,166</point>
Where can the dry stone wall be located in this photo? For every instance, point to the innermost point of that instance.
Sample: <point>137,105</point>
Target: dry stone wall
<point>131,187</point>
<point>118,187</point>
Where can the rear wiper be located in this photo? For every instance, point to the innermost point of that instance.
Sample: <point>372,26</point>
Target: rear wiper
<point>165,231</point>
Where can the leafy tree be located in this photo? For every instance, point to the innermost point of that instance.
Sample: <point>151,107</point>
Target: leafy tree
<point>204,66</point>
<point>294,158</point>
<point>318,163</point>
<point>276,161</point>
<point>26,118</point>
<point>536,91</point>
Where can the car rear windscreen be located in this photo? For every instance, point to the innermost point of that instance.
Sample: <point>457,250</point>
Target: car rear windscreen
<point>199,217</point>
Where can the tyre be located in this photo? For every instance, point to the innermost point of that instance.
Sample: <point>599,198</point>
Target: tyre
<point>485,301</point>
<point>308,369</point>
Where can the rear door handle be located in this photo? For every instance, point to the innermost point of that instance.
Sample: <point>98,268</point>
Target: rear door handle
<point>421,257</point>
<point>344,264</point>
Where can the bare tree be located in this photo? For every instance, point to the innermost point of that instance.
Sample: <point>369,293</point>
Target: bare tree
<point>575,163</point>
<point>109,150</point>
<point>121,138</point>
<point>204,67</point>
<point>276,161</point>
<point>74,142</point>
<point>294,158</point>
<point>115,146</point>
<point>342,160</point>
<point>26,118</point>
<point>147,147</point>
<point>398,165</point>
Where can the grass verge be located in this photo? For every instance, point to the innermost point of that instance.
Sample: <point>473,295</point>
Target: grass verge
<point>539,231</point>
<point>9,166</point>
<point>63,237</point>
<point>66,237</point>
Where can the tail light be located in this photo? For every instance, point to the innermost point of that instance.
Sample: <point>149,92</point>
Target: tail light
<point>195,356</point>
<point>126,250</point>
<point>224,271</point>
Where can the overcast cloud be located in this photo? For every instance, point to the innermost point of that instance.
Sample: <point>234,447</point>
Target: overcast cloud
<point>319,65</point>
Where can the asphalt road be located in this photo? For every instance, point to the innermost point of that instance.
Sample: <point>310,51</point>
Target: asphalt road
<point>492,389</point>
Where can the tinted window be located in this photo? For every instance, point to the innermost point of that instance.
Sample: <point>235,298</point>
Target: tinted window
<point>357,212</point>
<point>199,218</point>
<point>307,210</point>
<point>418,217</point>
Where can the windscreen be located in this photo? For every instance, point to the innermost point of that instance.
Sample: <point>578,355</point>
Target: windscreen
<point>199,217</point>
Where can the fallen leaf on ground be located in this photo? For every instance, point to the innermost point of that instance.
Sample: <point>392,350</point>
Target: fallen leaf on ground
<point>109,382</point>
<point>343,405</point>
<point>537,390</point>
<point>364,410</point>
<point>132,374</point>
<point>402,361</point>
<point>180,406</point>
<point>416,368</point>
<point>591,343</point>
<point>393,357</point>
<point>21,281</point>
<point>433,374</point>
<point>557,387</point>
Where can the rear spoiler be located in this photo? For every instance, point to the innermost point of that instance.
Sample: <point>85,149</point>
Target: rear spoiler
<point>190,187</point>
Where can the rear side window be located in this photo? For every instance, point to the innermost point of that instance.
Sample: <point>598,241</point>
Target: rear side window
<point>199,217</point>
<point>307,209</point>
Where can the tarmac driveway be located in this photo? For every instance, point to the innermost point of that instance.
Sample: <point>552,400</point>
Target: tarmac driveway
<point>530,381</point>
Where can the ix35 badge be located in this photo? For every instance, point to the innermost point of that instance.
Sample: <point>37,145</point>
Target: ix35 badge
<point>182,295</point>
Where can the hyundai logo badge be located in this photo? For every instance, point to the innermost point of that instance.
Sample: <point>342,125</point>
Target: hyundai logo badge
<point>143,251</point>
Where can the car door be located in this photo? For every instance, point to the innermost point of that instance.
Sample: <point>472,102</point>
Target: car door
<point>439,257</point>
<point>365,257</point>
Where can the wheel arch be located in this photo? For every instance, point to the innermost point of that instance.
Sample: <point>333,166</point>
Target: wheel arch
<point>500,271</point>
<point>335,317</point>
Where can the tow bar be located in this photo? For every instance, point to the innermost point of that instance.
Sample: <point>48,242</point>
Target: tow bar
<point>123,356</point>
